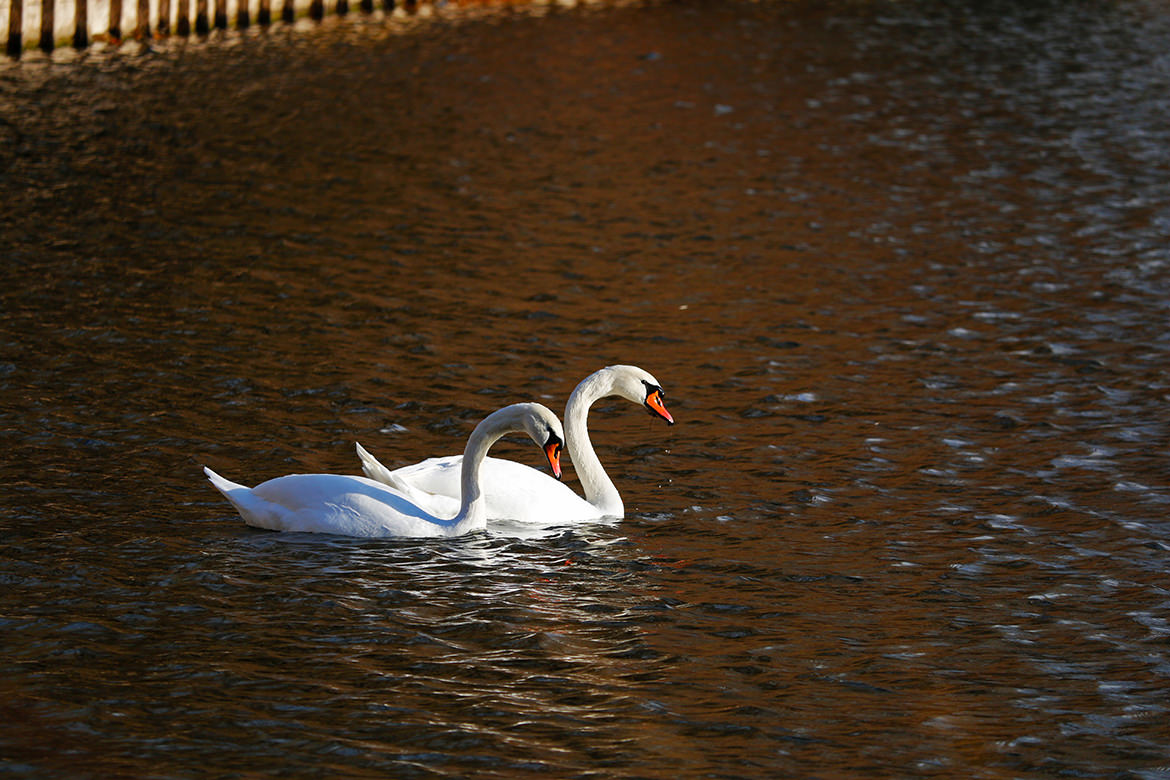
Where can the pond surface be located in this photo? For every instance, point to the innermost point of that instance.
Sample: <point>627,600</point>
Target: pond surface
<point>902,267</point>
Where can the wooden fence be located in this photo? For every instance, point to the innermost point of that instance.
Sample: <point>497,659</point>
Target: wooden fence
<point>205,18</point>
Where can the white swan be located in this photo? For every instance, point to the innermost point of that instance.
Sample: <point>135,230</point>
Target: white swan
<point>356,506</point>
<point>517,492</point>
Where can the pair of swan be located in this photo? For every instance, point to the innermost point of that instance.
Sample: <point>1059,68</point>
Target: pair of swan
<point>416,500</point>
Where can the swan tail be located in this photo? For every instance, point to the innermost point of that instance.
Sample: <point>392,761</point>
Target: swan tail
<point>255,510</point>
<point>379,473</point>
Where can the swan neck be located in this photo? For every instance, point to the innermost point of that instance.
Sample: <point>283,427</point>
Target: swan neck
<point>598,487</point>
<point>472,508</point>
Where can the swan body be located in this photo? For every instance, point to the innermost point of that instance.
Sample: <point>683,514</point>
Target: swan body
<point>518,492</point>
<point>357,506</point>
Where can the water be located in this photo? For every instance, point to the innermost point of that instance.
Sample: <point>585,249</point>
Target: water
<point>901,268</point>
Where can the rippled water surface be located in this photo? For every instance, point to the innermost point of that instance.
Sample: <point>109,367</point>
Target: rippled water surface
<point>901,267</point>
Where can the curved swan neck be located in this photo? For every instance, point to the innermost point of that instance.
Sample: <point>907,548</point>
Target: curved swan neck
<point>472,510</point>
<point>598,487</point>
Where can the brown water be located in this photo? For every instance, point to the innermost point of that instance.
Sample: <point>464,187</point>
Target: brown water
<point>901,267</point>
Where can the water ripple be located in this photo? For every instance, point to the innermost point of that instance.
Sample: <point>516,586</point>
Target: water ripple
<point>900,266</point>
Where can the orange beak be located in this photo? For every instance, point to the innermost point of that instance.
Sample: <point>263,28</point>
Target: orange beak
<point>657,407</point>
<point>552,451</point>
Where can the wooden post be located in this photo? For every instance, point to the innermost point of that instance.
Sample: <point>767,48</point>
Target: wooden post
<point>164,17</point>
<point>367,6</point>
<point>342,7</point>
<point>201,17</point>
<point>47,22</point>
<point>15,26</point>
<point>264,14</point>
<point>80,24</point>
<point>389,6</point>
<point>287,14</point>
<point>115,21</point>
<point>142,23</point>
<point>243,17</point>
<point>317,10</point>
<point>221,14</point>
<point>183,23</point>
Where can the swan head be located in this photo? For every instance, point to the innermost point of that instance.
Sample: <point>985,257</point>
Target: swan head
<point>541,425</point>
<point>640,387</point>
